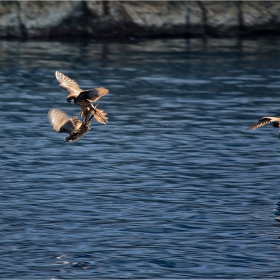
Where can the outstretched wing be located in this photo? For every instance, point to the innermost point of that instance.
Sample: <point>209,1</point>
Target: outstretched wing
<point>60,121</point>
<point>263,121</point>
<point>92,94</point>
<point>68,84</point>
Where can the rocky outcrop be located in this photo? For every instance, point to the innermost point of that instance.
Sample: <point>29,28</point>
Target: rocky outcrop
<point>107,19</point>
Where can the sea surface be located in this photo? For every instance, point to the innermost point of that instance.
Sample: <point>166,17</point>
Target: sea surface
<point>174,186</point>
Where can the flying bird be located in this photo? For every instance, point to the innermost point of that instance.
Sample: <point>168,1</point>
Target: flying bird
<point>275,121</point>
<point>61,123</point>
<point>83,98</point>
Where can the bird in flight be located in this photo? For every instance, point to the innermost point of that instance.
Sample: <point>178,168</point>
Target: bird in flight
<point>83,98</point>
<point>61,123</point>
<point>275,121</point>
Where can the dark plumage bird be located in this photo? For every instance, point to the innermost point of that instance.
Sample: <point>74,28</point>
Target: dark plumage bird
<point>275,121</point>
<point>83,98</point>
<point>61,123</point>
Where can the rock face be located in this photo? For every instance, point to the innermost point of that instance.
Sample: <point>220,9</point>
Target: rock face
<point>108,19</point>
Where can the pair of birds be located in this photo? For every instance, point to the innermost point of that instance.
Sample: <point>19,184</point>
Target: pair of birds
<point>76,129</point>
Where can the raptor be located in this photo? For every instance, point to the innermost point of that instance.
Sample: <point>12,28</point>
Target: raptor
<point>61,123</point>
<point>83,98</point>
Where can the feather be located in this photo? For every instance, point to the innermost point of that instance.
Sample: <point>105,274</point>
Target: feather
<point>73,126</point>
<point>263,121</point>
<point>68,84</point>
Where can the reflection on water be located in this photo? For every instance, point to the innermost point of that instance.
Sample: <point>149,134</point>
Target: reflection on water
<point>174,186</point>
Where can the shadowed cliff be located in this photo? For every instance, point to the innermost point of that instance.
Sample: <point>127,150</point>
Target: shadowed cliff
<point>109,19</point>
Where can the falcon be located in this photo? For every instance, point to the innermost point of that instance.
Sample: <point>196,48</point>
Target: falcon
<point>83,98</point>
<point>275,121</point>
<point>61,123</point>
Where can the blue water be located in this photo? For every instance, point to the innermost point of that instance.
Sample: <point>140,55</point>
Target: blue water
<point>174,186</point>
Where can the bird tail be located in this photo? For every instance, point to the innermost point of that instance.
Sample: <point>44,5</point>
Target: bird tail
<point>99,115</point>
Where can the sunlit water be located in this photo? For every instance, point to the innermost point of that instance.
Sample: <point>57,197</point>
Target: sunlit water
<point>174,186</point>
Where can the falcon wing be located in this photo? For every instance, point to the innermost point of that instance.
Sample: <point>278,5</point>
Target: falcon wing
<point>60,121</point>
<point>92,94</point>
<point>68,84</point>
<point>263,121</point>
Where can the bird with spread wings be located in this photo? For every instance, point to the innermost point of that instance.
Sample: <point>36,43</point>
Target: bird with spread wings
<point>83,98</point>
<point>61,123</point>
<point>275,121</point>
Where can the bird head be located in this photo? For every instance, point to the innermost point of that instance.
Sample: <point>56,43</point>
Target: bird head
<point>275,124</point>
<point>68,139</point>
<point>70,99</point>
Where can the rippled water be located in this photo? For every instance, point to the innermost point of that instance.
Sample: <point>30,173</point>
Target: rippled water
<point>173,187</point>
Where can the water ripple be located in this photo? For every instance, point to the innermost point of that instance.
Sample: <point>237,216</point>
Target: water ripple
<point>172,187</point>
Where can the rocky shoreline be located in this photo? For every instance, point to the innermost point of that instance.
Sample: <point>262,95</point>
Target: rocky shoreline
<point>125,19</point>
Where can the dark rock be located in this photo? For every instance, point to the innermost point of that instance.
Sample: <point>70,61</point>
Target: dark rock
<point>107,19</point>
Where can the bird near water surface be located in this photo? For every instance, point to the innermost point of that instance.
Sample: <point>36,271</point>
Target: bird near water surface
<point>61,123</point>
<point>275,121</point>
<point>83,98</point>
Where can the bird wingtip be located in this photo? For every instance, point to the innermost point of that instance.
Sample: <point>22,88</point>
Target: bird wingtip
<point>57,74</point>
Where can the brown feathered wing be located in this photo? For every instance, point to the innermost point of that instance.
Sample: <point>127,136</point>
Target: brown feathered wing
<point>263,121</point>
<point>92,95</point>
<point>60,121</point>
<point>68,84</point>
